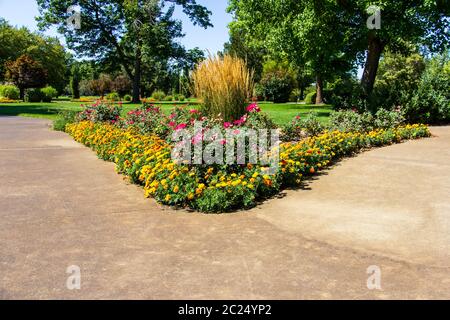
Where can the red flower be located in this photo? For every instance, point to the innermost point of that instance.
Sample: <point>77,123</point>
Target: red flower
<point>253,108</point>
<point>181,126</point>
<point>227,125</point>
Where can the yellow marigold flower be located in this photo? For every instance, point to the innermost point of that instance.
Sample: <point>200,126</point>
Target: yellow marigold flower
<point>168,197</point>
<point>176,189</point>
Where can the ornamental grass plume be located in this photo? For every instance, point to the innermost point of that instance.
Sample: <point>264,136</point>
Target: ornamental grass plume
<point>224,85</point>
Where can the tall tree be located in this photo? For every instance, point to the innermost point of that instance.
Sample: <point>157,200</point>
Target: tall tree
<point>15,42</point>
<point>26,73</point>
<point>418,22</point>
<point>129,30</point>
<point>305,31</point>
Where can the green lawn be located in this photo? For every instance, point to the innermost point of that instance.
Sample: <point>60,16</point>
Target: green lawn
<point>280,113</point>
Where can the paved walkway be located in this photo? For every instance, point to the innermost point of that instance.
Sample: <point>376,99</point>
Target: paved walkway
<point>61,206</point>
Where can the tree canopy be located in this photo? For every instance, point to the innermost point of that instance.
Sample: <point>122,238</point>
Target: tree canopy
<point>127,31</point>
<point>15,42</point>
<point>332,36</point>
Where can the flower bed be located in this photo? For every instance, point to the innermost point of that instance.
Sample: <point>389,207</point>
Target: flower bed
<point>147,160</point>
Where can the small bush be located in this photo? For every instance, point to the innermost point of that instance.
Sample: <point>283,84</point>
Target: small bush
<point>48,93</point>
<point>312,124</point>
<point>128,98</point>
<point>181,98</point>
<point>388,119</point>
<point>277,86</point>
<point>113,96</point>
<point>64,118</point>
<point>224,85</point>
<point>9,92</point>
<point>34,95</point>
<point>168,98</point>
<point>311,98</point>
<point>101,111</point>
<point>158,95</point>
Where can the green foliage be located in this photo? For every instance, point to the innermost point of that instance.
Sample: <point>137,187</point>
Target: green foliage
<point>120,31</point>
<point>75,82</point>
<point>127,98</point>
<point>277,86</point>
<point>346,93</point>
<point>122,85</point>
<point>430,103</point>
<point>169,98</point>
<point>34,95</point>
<point>385,119</point>
<point>100,112</point>
<point>311,98</point>
<point>25,72</point>
<point>47,51</point>
<point>9,92</point>
<point>311,124</point>
<point>397,74</point>
<point>48,93</point>
<point>158,95</point>
<point>113,96</point>
<point>352,121</point>
<point>64,118</point>
<point>302,127</point>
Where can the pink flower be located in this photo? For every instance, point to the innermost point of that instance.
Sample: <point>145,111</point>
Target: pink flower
<point>253,108</point>
<point>198,138</point>
<point>181,127</point>
<point>236,131</point>
<point>227,125</point>
<point>172,124</point>
<point>194,111</point>
<point>223,142</point>
<point>172,116</point>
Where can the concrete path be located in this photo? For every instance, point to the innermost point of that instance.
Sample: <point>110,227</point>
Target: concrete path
<point>61,206</point>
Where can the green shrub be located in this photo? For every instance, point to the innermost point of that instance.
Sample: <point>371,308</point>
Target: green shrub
<point>113,96</point>
<point>48,93</point>
<point>347,94</point>
<point>34,95</point>
<point>100,112</point>
<point>181,98</point>
<point>168,98</point>
<point>385,119</point>
<point>158,95</point>
<point>128,98</point>
<point>430,103</point>
<point>295,95</point>
<point>351,121</point>
<point>64,118</point>
<point>311,98</point>
<point>9,92</point>
<point>277,86</point>
<point>311,124</point>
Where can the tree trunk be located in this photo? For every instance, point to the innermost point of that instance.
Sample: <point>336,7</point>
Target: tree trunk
<point>302,93</point>
<point>137,75</point>
<point>22,94</point>
<point>374,52</point>
<point>319,90</point>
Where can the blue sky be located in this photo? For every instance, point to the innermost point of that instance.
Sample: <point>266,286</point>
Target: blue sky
<point>22,13</point>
